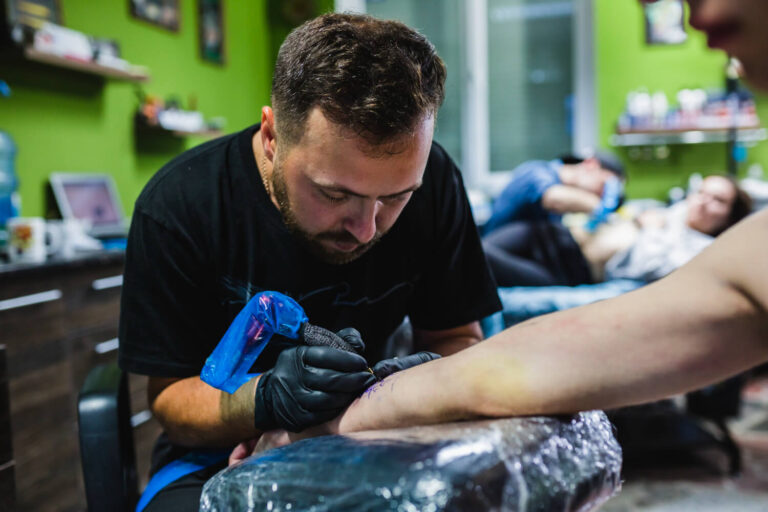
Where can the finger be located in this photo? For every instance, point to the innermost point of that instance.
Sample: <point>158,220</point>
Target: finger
<point>333,359</point>
<point>333,381</point>
<point>314,335</point>
<point>316,404</point>
<point>242,451</point>
<point>387,367</point>
<point>353,338</point>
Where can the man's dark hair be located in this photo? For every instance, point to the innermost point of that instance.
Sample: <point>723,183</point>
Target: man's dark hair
<point>607,160</point>
<point>373,77</point>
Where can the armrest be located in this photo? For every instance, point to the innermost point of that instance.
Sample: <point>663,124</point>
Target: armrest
<point>106,440</point>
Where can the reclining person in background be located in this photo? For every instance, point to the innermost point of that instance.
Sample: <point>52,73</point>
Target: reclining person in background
<point>525,226</point>
<point>646,248</point>
<point>545,190</point>
<point>657,242</point>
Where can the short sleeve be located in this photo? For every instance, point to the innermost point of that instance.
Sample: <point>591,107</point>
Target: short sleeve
<point>457,287</point>
<point>540,177</point>
<point>165,327</point>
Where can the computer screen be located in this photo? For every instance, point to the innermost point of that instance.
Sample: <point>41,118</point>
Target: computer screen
<point>89,197</point>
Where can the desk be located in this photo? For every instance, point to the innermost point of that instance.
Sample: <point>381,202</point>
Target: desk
<point>58,320</point>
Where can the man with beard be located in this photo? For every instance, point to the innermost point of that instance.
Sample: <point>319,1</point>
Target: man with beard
<point>340,199</point>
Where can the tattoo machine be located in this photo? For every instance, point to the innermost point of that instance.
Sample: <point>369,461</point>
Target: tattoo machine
<point>266,314</point>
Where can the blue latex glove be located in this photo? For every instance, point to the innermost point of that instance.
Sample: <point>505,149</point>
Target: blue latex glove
<point>612,191</point>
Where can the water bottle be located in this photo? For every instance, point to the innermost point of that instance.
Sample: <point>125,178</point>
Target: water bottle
<point>9,183</point>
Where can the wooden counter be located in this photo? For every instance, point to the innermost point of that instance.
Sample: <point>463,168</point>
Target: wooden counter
<point>58,320</point>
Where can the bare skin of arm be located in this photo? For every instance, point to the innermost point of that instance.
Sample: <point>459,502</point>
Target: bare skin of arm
<point>568,199</point>
<point>448,341</point>
<point>703,323</point>
<point>196,414</point>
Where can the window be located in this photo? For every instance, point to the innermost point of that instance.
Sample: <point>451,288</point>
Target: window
<point>520,78</point>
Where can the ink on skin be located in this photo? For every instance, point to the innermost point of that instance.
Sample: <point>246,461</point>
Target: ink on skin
<point>378,385</point>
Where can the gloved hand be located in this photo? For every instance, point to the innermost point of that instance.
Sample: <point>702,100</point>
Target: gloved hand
<point>387,367</point>
<point>308,385</point>
<point>610,200</point>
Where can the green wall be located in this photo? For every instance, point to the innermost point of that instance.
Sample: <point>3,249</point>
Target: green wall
<point>624,62</point>
<point>67,121</point>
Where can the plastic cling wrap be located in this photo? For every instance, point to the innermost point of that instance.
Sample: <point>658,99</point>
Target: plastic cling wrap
<point>267,313</point>
<point>521,464</point>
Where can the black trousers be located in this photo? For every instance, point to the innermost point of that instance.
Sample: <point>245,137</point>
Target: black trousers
<point>183,495</point>
<point>535,254</point>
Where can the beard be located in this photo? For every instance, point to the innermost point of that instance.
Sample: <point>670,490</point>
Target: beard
<point>314,242</point>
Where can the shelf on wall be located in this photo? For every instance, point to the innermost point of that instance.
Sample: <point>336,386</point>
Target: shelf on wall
<point>142,124</point>
<point>658,138</point>
<point>86,67</point>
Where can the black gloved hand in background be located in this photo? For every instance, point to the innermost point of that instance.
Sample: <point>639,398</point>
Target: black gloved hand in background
<point>311,384</point>
<point>387,367</point>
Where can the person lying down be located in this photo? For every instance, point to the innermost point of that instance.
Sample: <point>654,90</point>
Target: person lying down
<point>644,248</point>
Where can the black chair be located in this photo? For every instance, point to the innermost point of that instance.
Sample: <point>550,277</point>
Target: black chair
<point>106,441</point>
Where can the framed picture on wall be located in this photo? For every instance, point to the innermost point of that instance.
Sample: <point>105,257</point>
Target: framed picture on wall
<point>211,31</point>
<point>164,13</point>
<point>32,13</point>
<point>665,22</point>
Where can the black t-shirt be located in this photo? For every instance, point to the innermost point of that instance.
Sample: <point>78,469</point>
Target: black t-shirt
<point>205,237</point>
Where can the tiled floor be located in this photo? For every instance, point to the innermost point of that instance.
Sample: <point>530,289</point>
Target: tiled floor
<point>698,482</point>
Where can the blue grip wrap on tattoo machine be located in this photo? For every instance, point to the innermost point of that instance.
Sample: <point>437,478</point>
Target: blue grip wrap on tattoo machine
<point>266,314</point>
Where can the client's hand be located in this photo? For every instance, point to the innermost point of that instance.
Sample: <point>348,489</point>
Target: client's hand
<point>243,450</point>
<point>280,437</point>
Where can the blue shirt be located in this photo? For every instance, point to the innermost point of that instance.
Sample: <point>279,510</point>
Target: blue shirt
<point>521,198</point>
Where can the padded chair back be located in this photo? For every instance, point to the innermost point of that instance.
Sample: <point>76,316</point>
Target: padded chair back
<point>106,441</point>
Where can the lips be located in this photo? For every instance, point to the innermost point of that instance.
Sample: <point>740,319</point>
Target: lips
<point>345,246</point>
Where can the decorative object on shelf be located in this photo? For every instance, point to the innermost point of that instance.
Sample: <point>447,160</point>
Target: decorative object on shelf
<point>169,116</point>
<point>696,110</point>
<point>164,13</point>
<point>211,31</point>
<point>665,22</point>
<point>64,47</point>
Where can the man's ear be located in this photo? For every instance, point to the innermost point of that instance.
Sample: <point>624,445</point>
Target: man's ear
<point>268,133</point>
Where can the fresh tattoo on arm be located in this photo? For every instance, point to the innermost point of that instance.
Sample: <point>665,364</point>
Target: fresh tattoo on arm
<point>389,381</point>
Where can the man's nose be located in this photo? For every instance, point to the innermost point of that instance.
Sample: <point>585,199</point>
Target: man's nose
<point>361,223</point>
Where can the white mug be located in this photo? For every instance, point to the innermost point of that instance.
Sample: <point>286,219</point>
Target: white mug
<point>27,240</point>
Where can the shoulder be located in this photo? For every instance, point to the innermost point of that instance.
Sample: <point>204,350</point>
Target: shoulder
<point>189,182</point>
<point>186,170</point>
<point>441,175</point>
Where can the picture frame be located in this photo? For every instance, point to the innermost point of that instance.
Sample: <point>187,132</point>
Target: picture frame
<point>163,13</point>
<point>211,34</point>
<point>665,22</point>
<point>33,13</point>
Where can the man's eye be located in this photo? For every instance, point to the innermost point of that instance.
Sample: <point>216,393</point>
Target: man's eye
<point>396,199</point>
<point>333,198</point>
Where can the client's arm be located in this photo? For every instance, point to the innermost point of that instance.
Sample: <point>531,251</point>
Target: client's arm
<point>703,323</point>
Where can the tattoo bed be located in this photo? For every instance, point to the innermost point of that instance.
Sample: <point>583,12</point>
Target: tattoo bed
<point>515,464</point>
